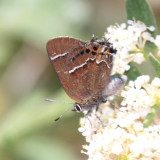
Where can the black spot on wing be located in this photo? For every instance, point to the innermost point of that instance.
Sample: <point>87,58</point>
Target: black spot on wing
<point>73,59</point>
<point>111,50</point>
<point>82,52</point>
<point>87,50</point>
<point>93,53</point>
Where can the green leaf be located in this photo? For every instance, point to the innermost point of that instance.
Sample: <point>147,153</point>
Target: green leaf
<point>155,64</point>
<point>150,116</point>
<point>150,47</point>
<point>140,10</point>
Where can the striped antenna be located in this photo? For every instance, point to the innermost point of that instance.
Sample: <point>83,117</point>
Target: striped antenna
<point>51,100</point>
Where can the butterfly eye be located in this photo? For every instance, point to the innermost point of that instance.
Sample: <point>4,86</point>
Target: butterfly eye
<point>78,108</point>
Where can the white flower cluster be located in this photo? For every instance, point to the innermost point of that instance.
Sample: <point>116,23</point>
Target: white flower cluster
<point>117,131</point>
<point>120,134</point>
<point>128,39</point>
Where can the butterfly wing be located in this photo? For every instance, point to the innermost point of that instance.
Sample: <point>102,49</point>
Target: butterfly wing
<point>58,50</point>
<point>114,86</point>
<point>82,75</point>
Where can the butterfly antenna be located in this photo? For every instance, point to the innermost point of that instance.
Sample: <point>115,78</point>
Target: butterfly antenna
<point>61,115</point>
<point>51,100</point>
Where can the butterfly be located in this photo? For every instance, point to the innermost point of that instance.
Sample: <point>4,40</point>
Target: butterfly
<point>84,70</point>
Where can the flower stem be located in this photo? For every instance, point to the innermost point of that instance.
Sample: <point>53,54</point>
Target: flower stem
<point>150,116</point>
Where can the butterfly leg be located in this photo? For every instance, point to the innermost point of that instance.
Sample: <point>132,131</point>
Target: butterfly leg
<point>97,107</point>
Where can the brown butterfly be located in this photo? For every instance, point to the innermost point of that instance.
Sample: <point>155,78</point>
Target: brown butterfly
<point>84,70</point>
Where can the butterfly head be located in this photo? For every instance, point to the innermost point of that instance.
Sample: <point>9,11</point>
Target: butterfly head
<point>85,109</point>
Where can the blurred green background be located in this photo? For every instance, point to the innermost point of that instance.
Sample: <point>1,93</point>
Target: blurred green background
<point>27,131</point>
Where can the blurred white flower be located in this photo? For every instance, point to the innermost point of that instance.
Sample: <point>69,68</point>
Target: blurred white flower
<point>128,39</point>
<point>156,82</point>
<point>122,135</point>
<point>119,131</point>
<point>157,43</point>
<point>139,58</point>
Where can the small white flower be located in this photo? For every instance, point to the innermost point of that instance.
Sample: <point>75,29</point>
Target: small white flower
<point>126,39</point>
<point>139,58</point>
<point>138,126</point>
<point>117,148</point>
<point>151,28</point>
<point>147,36</point>
<point>81,129</point>
<point>156,82</point>
<point>157,41</point>
<point>140,81</point>
<point>123,134</point>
